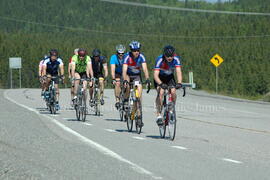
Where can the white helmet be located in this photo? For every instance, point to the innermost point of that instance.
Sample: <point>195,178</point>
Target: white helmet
<point>120,48</point>
<point>76,50</point>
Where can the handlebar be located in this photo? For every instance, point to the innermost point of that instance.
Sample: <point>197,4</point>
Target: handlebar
<point>132,83</point>
<point>81,79</point>
<point>183,87</point>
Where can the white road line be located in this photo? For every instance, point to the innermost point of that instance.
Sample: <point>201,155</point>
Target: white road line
<point>140,138</point>
<point>231,160</point>
<point>54,115</point>
<point>88,124</point>
<point>179,147</point>
<point>70,119</point>
<point>110,130</point>
<point>104,150</point>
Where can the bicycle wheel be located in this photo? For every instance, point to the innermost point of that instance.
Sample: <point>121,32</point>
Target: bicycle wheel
<point>172,124</point>
<point>162,128</point>
<point>77,103</point>
<point>130,118</point>
<point>126,113</point>
<point>50,108</point>
<point>78,107</point>
<point>122,106</point>
<point>97,103</point>
<point>121,112</point>
<point>138,117</point>
<point>83,108</point>
<point>53,109</point>
<point>129,123</point>
<point>52,103</point>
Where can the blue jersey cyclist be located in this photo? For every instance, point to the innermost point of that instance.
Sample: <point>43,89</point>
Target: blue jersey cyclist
<point>166,66</point>
<point>134,61</point>
<point>51,66</point>
<point>116,63</point>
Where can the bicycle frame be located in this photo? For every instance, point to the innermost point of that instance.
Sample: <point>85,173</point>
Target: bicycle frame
<point>168,113</point>
<point>97,102</point>
<point>51,101</point>
<point>134,107</point>
<point>80,105</point>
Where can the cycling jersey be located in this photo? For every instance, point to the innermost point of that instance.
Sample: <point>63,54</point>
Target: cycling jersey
<point>117,62</point>
<point>134,65</point>
<point>98,65</point>
<point>167,68</point>
<point>80,64</point>
<point>52,66</point>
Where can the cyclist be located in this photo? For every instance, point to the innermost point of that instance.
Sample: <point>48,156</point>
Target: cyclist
<point>99,64</point>
<point>165,66</point>
<point>51,67</point>
<point>81,68</point>
<point>40,75</point>
<point>133,62</point>
<point>116,63</point>
<point>69,75</point>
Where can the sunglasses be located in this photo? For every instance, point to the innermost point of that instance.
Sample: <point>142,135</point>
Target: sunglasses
<point>120,54</point>
<point>135,50</point>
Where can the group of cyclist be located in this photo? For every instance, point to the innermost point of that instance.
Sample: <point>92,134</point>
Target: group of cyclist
<point>126,67</point>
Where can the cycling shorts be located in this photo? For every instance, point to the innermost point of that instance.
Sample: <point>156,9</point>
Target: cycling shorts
<point>117,75</point>
<point>82,75</point>
<point>169,80</point>
<point>56,80</point>
<point>135,78</point>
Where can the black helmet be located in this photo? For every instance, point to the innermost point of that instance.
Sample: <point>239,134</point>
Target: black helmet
<point>168,51</point>
<point>53,52</point>
<point>96,52</point>
<point>81,52</point>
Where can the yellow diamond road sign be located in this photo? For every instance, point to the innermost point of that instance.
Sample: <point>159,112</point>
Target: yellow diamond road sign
<point>216,60</point>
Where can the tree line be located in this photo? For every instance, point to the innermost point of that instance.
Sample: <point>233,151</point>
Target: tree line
<point>29,29</point>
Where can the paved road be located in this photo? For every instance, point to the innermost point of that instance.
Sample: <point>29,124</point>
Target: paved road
<point>217,138</point>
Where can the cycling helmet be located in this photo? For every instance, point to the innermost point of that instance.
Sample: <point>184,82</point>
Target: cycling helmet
<point>120,48</point>
<point>168,51</point>
<point>81,52</point>
<point>76,50</point>
<point>135,45</point>
<point>96,52</point>
<point>53,52</point>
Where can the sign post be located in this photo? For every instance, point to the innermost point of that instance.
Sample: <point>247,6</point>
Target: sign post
<point>15,63</point>
<point>216,60</point>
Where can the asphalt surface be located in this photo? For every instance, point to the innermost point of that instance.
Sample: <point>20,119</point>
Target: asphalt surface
<point>217,138</point>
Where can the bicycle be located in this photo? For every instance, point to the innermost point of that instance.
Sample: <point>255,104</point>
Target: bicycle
<point>134,109</point>
<point>168,112</point>
<point>80,102</point>
<point>121,108</point>
<point>50,96</point>
<point>97,102</point>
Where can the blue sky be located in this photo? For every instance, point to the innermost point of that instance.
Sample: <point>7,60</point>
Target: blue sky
<point>211,0</point>
<point>215,0</point>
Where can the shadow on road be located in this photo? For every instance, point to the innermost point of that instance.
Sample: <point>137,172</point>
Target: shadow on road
<point>155,137</point>
<point>121,130</point>
<point>92,114</point>
<point>112,119</point>
<point>72,119</point>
